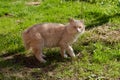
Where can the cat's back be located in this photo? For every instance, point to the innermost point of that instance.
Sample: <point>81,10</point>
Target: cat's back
<point>51,33</point>
<point>48,26</point>
<point>45,27</point>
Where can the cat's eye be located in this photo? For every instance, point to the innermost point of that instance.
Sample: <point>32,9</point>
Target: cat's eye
<point>79,27</point>
<point>75,27</point>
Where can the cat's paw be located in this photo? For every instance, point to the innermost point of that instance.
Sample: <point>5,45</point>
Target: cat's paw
<point>65,56</point>
<point>43,61</point>
<point>43,56</point>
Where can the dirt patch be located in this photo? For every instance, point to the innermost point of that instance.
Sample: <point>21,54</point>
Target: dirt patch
<point>33,3</point>
<point>102,33</point>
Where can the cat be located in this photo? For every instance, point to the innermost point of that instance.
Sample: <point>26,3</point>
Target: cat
<point>53,35</point>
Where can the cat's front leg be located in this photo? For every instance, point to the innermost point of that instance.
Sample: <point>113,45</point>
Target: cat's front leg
<point>43,55</point>
<point>62,52</point>
<point>70,51</point>
<point>68,48</point>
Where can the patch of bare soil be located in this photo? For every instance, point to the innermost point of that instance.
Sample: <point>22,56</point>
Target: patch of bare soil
<point>32,3</point>
<point>104,34</point>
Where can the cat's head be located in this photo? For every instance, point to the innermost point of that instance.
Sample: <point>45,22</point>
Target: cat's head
<point>77,25</point>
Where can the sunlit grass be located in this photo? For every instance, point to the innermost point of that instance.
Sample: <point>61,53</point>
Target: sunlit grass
<point>99,47</point>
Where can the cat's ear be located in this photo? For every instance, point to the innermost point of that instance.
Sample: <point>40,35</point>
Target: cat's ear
<point>71,20</point>
<point>82,21</point>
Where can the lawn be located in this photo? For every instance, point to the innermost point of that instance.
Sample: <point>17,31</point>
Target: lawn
<point>97,50</point>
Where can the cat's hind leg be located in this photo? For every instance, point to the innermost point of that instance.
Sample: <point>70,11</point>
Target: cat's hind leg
<point>37,45</point>
<point>38,54</point>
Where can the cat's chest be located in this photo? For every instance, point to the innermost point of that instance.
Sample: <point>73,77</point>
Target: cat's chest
<point>71,38</point>
<point>76,37</point>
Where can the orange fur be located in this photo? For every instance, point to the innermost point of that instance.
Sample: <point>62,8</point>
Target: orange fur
<point>52,35</point>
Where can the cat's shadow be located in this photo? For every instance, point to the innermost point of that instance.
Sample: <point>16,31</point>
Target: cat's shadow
<point>19,59</point>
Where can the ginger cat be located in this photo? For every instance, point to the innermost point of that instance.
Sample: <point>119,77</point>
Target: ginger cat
<point>53,35</point>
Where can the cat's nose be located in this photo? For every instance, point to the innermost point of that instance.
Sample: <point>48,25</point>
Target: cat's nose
<point>78,30</point>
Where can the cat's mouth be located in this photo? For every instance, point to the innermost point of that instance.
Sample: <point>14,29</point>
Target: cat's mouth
<point>80,30</point>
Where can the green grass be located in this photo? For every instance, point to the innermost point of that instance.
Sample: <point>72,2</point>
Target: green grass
<point>99,46</point>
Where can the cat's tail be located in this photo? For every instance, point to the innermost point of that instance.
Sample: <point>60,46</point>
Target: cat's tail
<point>26,39</point>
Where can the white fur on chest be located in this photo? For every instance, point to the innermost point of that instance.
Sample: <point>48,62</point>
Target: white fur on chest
<point>73,38</point>
<point>76,37</point>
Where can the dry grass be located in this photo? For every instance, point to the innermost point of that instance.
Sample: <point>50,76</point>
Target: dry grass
<point>98,49</point>
<point>103,33</point>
